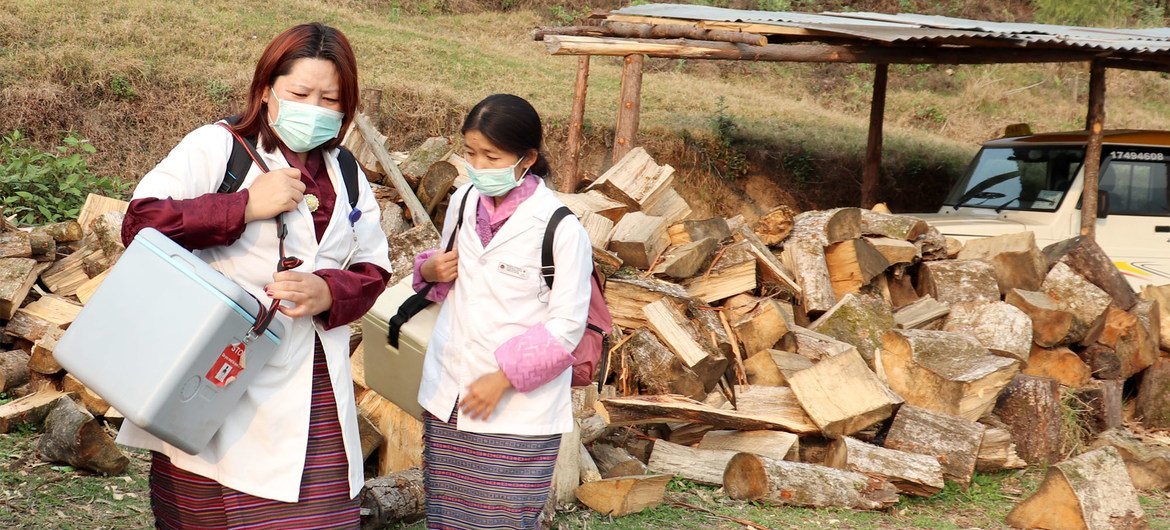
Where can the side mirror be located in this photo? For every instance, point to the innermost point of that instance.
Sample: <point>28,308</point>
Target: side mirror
<point>1102,204</point>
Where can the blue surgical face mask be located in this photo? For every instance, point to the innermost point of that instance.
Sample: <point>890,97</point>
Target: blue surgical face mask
<point>494,182</point>
<point>302,126</point>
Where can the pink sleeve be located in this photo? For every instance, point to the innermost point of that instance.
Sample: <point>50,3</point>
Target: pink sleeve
<point>439,292</point>
<point>533,358</point>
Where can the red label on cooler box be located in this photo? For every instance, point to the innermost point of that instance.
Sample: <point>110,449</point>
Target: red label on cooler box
<point>227,366</point>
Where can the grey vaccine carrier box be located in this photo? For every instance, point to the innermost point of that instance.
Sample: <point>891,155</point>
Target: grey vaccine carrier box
<point>165,340</point>
<point>395,373</point>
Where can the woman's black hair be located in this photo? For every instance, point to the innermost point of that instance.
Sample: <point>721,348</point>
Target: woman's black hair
<point>509,123</point>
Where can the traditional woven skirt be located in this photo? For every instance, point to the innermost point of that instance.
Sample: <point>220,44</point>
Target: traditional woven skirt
<point>184,500</point>
<point>476,481</point>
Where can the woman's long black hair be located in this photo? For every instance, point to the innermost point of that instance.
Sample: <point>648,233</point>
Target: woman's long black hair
<point>510,123</point>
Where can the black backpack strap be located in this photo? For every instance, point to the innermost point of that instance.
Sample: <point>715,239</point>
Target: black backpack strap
<point>239,161</point>
<point>349,173</point>
<point>547,268</point>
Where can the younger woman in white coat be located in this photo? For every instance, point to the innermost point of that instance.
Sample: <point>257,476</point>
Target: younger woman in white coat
<point>495,381</point>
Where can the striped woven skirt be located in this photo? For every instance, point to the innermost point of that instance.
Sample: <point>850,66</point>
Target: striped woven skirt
<point>184,500</point>
<point>476,481</point>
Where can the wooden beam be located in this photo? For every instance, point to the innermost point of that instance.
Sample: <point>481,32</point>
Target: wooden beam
<point>418,212</point>
<point>576,123</point>
<point>1094,123</point>
<point>873,147</point>
<point>629,107</point>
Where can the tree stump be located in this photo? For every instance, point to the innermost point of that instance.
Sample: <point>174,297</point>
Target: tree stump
<point>74,437</point>
<point>1091,492</point>
<point>1030,406</point>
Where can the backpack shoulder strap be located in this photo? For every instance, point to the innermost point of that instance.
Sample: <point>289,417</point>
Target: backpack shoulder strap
<point>547,267</point>
<point>239,161</point>
<point>349,173</point>
<point>458,220</point>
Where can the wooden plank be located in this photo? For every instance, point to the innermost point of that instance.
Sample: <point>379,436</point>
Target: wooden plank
<point>418,213</point>
<point>663,409</point>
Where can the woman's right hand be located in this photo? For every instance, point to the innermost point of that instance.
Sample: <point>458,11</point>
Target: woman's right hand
<point>274,193</point>
<point>441,267</point>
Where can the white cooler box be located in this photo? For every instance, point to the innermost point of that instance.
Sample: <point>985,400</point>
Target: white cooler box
<point>396,373</point>
<point>156,341</point>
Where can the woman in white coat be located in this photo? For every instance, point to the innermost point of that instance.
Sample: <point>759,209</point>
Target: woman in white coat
<point>495,381</point>
<point>288,456</point>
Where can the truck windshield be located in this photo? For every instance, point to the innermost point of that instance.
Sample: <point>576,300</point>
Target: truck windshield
<point>1018,178</point>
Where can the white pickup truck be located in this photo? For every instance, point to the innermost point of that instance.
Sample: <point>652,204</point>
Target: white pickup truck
<point>1035,182</point>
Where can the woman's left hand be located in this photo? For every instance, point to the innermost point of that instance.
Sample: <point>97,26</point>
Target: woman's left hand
<point>482,396</point>
<point>308,292</point>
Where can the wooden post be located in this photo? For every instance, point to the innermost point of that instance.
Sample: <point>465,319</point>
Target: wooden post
<point>572,176</point>
<point>873,148</point>
<point>418,213</point>
<point>371,101</point>
<point>1094,123</point>
<point>629,107</point>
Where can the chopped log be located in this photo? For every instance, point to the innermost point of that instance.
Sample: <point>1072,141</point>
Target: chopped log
<point>853,264</point>
<point>431,151</point>
<point>1050,323</point>
<point>1017,261</point>
<point>635,180</point>
<point>826,227</point>
<point>781,483</point>
<point>74,437</point>
<point>1149,330</point>
<point>638,239</point>
<point>763,327</point>
<point>1103,361</point>
<point>1058,363</point>
<point>763,410</point>
<point>997,452</point>
<point>13,369</point>
<point>1030,406</point>
<point>857,320</point>
<point>946,372</point>
<point>739,305</point>
<point>733,271</point>
<point>686,260</point>
<point>896,251</point>
<point>15,245</point>
<point>624,495</point>
<point>778,445</point>
<point>710,325</point>
<point>998,326</point>
<point>704,466</point>
<point>16,278</point>
<point>920,313</point>
<point>598,227</point>
<point>953,441</point>
<point>594,202</point>
<point>806,260</point>
<point>772,272</point>
<point>687,434</point>
<point>30,409</point>
<point>761,370</point>
<point>1102,405</point>
<point>774,226</point>
<point>593,427</point>
<point>566,474</point>
<point>1153,395</point>
<point>1084,257</point>
<point>100,248</point>
<point>816,346</point>
<point>842,395</point>
<point>370,436</point>
<point>912,474</point>
<point>1092,492</point>
<point>955,281</point>
<point>62,232</point>
<point>88,398</point>
<point>113,417</point>
<point>406,245</point>
<point>1161,295</point>
<point>606,262</point>
<point>27,326</point>
<point>715,227</point>
<point>435,183</point>
<point>613,461</point>
<point>934,246</point>
<point>588,468</point>
<point>901,288</point>
<point>901,227</point>
<point>658,369</point>
<point>626,297</point>
<point>402,432</point>
<point>97,205</point>
<point>85,290</point>
<point>686,341</point>
<point>789,363</point>
<point>670,206</point>
<point>1136,349</point>
<point>1148,464</point>
<point>394,498</point>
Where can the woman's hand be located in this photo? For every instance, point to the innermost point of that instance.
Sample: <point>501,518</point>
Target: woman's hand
<point>481,397</point>
<point>441,267</point>
<point>308,292</point>
<point>273,193</point>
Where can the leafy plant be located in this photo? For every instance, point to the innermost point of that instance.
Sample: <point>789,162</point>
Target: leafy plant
<point>121,88</point>
<point>219,92</point>
<point>38,187</point>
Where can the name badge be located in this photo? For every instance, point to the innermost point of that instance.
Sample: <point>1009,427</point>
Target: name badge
<point>513,271</point>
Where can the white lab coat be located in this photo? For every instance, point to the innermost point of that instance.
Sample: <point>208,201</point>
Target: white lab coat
<point>498,295</point>
<point>260,450</point>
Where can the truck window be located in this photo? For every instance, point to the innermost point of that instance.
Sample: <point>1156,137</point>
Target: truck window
<point>1136,182</point>
<point>1018,178</point>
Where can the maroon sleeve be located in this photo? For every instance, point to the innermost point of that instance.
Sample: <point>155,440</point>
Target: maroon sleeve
<point>354,291</point>
<point>209,220</point>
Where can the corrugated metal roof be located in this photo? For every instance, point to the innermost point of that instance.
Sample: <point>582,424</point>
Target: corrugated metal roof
<point>926,29</point>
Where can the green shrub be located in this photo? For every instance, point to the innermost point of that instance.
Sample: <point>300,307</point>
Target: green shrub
<point>38,187</point>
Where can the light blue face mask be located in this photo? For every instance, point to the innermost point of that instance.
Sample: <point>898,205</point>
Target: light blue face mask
<point>494,182</point>
<point>302,126</point>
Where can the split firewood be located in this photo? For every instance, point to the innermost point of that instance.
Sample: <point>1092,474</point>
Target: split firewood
<point>114,418</point>
<point>588,468</point>
<point>782,483</point>
<point>1085,258</point>
<point>394,498</point>
<point>733,271</point>
<point>764,410</point>
<point>658,369</point>
<point>1103,361</point>
<point>1050,323</point>
<point>1153,396</point>
<point>435,183</point>
<point>778,445</point>
<point>998,326</point>
<point>402,432</point>
<point>613,461</point>
<point>789,363</point>
<point>17,276</point>
<point>816,346</point>
<point>710,326</point>
<point>686,260</point>
<point>912,474</point>
<point>97,205</point>
<point>704,466</point>
<point>920,313</point>
<point>394,219</point>
<point>30,409</point>
<point>406,245</point>
<point>1121,330</point>
<point>741,304</point>
<point>806,260</point>
<point>423,157</point>
<point>826,227</point>
<point>761,369</point>
<point>853,264</point>
<point>1149,330</point>
<point>1059,363</point>
<point>62,232</point>
<point>15,245</point>
<point>1101,400</point>
<point>686,341</point>
<point>592,428</point>
<point>1030,407</point>
<point>635,180</point>
<point>934,246</point>
<point>763,327</point>
<point>687,434</point>
<point>1018,263</point>
<point>695,230</point>
<point>858,320</point>
<point>1148,464</point>
<point>954,281</point>
<point>567,470</point>
<point>13,369</point>
<point>598,228</point>
<point>86,289</point>
<point>100,248</point>
<point>89,399</point>
<point>774,404</point>
<point>997,452</point>
<point>946,372</point>
<point>1161,295</point>
<point>953,441</point>
<point>627,296</point>
<point>772,273</point>
<point>1092,492</point>
<point>774,226</point>
<point>594,202</point>
<point>896,251</point>
<point>624,495</point>
<point>638,238</point>
<point>606,262</point>
<point>842,395</point>
<point>901,227</point>
<point>370,436</point>
<point>669,205</point>
<point>901,288</point>
<point>73,436</point>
